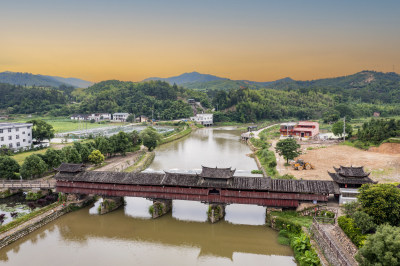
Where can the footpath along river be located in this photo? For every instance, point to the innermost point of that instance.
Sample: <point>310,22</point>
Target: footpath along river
<point>128,236</point>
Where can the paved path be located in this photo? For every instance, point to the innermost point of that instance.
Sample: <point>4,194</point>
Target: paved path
<point>256,133</point>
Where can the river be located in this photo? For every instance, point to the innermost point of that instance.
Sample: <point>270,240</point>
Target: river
<point>128,236</point>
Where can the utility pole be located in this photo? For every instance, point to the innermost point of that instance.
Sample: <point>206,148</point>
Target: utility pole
<point>344,128</point>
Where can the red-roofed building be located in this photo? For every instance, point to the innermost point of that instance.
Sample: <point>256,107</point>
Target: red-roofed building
<point>303,129</point>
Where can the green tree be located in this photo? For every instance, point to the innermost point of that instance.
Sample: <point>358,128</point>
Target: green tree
<point>364,222</point>
<point>150,137</point>
<point>96,157</point>
<point>135,138</point>
<point>337,129</point>
<point>121,142</point>
<point>381,202</point>
<point>104,146</point>
<point>130,118</point>
<point>72,155</point>
<point>381,248</point>
<point>41,130</point>
<point>54,158</point>
<point>33,166</point>
<point>8,167</point>
<point>288,148</point>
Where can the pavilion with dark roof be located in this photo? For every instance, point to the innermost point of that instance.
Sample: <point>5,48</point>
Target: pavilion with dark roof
<point>351,177</point>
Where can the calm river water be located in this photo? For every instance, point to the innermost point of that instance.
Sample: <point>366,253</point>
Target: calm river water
<point>128,236</point>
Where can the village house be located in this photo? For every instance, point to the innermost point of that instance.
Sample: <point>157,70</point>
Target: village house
<point>99,117</point>
<point>302,129</point>
<point>80,117</point>
<point>204,119</point>
<point>141,119</point>
<point>120,117</point>
<point>16,135</point>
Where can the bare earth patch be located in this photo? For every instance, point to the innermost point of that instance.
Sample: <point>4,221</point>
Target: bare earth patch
<point>384,167</point>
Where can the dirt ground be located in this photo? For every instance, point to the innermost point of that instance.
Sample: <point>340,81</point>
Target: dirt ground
<point>384,166</point>
<point>119,163</point>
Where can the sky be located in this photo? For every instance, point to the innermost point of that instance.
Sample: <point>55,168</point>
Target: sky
<point>260,40</point>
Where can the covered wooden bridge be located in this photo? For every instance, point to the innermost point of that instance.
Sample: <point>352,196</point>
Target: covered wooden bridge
<point>212,185</point>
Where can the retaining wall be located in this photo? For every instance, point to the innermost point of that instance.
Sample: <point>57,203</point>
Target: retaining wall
<point>31,227</point>
<point>331,251</point>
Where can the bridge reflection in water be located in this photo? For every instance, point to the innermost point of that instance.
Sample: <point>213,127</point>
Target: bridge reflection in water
<point>119,239</point>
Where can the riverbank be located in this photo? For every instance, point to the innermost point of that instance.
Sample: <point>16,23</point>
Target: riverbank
<point>176,136</point>
<point>33,221</point>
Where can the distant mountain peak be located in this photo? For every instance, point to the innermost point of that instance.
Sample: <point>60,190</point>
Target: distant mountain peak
<point>29,79</point>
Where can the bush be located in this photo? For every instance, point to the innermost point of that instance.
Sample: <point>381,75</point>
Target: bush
<point>304,253</point>
<point>349,228</point>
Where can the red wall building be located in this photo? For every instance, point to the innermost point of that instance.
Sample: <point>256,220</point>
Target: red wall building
<point>302,129</point>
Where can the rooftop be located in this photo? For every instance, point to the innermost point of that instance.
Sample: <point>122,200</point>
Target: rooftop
<point>307,123</point>
<point>290,124</point>
<point>10,125</point>
<point>70,168</point>
<point>121,114</point>
<point>194,180</point>
<point>217,173</point>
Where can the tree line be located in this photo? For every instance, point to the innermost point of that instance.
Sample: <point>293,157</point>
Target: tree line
<point>93,151</point>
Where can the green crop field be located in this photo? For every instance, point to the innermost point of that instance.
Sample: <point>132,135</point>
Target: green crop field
<point>61,124</point>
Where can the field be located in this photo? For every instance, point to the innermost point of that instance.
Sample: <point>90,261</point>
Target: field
<point>61,124</point>
<point>20,157</point>
<point>384,166</point>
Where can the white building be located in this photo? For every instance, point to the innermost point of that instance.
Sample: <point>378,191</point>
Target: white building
<point>99,117</point>
<point>16,135</point>
<point>120,117</point>
<point>204,119</point>
<point>79,117</point>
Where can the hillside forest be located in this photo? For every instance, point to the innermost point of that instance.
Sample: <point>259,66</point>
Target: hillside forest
<point>352,96</point>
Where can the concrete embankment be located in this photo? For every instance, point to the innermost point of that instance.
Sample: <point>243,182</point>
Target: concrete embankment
<point>36,222</point>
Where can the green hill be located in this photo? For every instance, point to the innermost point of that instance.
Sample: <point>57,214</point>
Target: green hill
<point>29,80</point>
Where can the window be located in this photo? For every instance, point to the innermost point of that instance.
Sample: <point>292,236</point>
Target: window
<point>9,130</point>
<point>17,129</point>
<point>29,141</point>
<point>1,131</point>
<point>24,140</point>
<point>18,144</point>
<point>23,132</point>
<point>17,137</point>
<point>2,138</point>
<point>29,134</point>
<point>9,137</point>
<point>10,145</point>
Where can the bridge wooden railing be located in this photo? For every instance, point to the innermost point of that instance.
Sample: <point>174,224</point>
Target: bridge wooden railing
<point>21,184</point>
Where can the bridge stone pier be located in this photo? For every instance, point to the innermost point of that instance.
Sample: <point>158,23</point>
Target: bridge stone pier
<point>160,207</point>
<point>215,212</point>
<point>110,204</point>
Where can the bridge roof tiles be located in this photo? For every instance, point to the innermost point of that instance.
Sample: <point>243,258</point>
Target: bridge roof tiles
<point>304,186</point>
<point>193,180</point>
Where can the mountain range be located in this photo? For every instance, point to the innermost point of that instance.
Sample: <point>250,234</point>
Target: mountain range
<point>28,79</point>
<point>195,80</point>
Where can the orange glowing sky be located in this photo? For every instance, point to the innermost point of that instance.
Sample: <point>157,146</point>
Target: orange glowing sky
<point>254,40</point>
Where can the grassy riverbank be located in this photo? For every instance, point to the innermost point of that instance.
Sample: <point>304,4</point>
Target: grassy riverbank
<point>176,136</point>
<point>144,161</point>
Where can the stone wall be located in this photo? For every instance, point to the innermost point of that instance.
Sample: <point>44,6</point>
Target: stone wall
<point>31,227</point>
<point>331,251</point>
